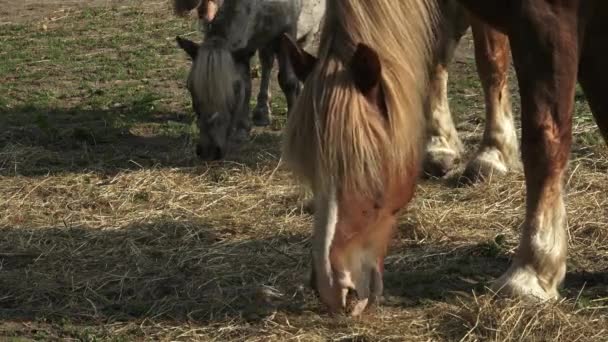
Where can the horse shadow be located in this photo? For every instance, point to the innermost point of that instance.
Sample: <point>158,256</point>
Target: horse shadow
<point>202,271</point>
<point>174,270</point>
<point>38,141</point>
<point>418,275</point>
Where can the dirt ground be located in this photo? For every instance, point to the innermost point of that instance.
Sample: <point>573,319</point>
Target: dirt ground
<point>112,230</point>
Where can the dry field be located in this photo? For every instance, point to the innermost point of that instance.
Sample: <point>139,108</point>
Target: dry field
<point>111,229</point>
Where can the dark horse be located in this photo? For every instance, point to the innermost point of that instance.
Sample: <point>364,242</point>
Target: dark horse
<point>355,136</point>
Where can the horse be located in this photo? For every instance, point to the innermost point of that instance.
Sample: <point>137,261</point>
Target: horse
<point>499,149</point>
<point>356,133</point>
<point>219,81</point>
<point>207,11</point>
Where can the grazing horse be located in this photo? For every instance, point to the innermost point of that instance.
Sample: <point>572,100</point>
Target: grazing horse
<point>355,134</point>
<point>220,80</point>
<point>207,11</point>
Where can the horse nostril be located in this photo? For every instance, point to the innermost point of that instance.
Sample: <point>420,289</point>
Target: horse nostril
<point>199,151</point>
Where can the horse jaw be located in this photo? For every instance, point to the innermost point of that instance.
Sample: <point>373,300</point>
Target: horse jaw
<point>347,257</point>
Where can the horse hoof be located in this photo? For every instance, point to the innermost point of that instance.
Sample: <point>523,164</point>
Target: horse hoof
<point>261,117</point>
<point>241,136</point>
<point>522,283</point>
<point>483,167</point>
<point>261,121</point>
<point>440,164</point>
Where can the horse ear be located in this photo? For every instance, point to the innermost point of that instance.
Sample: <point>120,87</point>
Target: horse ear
<point>366,71</point>
<point>302,62</point>
<point>189,46</point>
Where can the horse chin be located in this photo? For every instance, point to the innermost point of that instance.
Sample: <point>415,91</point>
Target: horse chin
<point>210,153</point>
<point>362,289</point>
<point>349,292</point>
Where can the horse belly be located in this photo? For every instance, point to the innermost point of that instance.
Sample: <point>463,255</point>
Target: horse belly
<point>272,19</point>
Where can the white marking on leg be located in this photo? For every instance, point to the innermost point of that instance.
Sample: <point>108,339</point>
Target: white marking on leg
<point>443,135</point>
<point>540,264</point>
<point>500,135</point>
<point>494,158</point>
<point>499,150</point>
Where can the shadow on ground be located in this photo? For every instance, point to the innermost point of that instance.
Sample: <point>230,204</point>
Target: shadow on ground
<point>202,271</point>
<point>38,141</point>
<point>170,270</point>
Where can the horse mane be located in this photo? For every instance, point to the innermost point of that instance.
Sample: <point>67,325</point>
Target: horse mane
<point>183,7</point>
<point>334,137</point>
<point>212,77</point>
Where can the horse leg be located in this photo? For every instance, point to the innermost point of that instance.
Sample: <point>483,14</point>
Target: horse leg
<point>499,147</point>
<point>444,148</point>
<point>546,60</point>
<point>290,85</point>
<point>242,122</point>
<point>261,112</point>
<point>593,72</point>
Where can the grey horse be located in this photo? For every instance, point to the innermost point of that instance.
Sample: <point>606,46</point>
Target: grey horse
<point>220,81</point>
<point>207,11</point>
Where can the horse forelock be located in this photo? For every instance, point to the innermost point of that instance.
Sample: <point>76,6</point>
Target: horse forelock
<point>332,137</point>
<point>212,79</point>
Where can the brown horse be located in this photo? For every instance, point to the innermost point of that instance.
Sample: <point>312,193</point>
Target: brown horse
<point>356,132</point>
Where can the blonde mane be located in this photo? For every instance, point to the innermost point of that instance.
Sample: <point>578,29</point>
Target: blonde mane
<point>212,78</point>
<point>334,137</point>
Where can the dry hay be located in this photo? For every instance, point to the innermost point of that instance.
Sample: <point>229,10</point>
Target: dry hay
<point>133,240</point>
<point>488,319</point>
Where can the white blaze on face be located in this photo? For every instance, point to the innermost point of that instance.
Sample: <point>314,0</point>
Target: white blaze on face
<point>349,277</point>
<point>326,218</point>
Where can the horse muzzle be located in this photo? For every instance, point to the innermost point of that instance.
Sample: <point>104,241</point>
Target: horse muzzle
<point>346,292</point>
<point>210,153</point>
